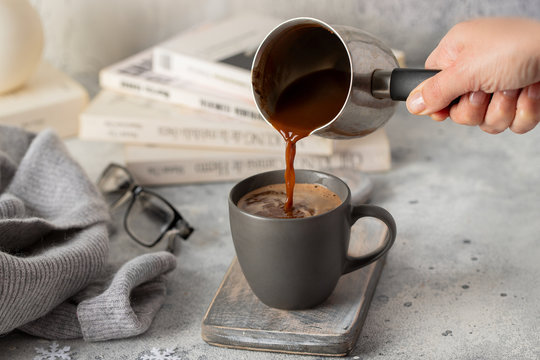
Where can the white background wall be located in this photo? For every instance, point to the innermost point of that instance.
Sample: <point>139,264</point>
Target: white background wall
<point>82,36</point>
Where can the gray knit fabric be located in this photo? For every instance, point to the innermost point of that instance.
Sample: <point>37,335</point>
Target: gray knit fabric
<point>54,281</point>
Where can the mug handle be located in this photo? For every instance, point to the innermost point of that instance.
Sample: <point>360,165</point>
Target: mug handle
<point>360,211</point>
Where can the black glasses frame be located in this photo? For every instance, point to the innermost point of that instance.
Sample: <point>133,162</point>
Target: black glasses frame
<point>178,226</point>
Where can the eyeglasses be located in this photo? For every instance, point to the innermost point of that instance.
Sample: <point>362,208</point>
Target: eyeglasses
<point>149,218</point>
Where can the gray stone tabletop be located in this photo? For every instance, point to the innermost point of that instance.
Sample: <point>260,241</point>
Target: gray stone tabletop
<point>461,282</point>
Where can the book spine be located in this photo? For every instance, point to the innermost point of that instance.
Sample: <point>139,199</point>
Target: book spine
<point>194,134</point>
<point>222,77</point>
<point>62,117</point>
<point>205,170</point>
<point>133,85</point>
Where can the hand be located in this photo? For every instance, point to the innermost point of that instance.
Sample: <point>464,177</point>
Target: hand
<point>494,65</point>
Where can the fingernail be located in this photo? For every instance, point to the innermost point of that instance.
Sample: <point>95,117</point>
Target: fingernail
<point>510,93</point>
<point>534,91</point>
<point>477,97</point>
<point>415,103</point>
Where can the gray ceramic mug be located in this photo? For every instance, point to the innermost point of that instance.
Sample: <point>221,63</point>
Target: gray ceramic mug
<point>296,263</point>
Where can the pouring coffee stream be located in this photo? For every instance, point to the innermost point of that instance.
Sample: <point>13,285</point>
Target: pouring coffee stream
<point>338,82</point>
<point>303,107</point>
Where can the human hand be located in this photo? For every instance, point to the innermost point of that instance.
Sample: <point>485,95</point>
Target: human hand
<point>494,65</point>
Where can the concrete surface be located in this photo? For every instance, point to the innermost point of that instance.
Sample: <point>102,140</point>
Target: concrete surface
<point>461,282</point>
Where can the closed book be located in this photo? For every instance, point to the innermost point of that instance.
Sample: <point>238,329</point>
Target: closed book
<point>153,165</point>
<point>134,76</point>
<point>122,118</point>
<point>218,55</point>
<point>49,99</point>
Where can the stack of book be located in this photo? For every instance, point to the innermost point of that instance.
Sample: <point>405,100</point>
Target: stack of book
<point>49,99</point>
<point>185,112</point>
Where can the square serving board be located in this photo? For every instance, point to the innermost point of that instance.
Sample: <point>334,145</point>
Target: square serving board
<point>236,318</point>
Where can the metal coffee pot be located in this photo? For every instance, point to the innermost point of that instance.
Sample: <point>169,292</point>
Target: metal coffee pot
<point>300,46</point>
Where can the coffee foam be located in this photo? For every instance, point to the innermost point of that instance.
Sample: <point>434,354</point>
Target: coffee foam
<point>309,200</point>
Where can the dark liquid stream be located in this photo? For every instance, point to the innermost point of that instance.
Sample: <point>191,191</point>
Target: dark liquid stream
<point>306,104</point>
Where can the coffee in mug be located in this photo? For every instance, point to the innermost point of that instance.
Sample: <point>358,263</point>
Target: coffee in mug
<point>270,200</point>
<point>296,263</point>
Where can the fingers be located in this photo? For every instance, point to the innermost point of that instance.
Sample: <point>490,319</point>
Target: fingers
<point>514,109</point>
<point>471,109</point>
<point>441,114</point>
<point>437,92</point>
<point>500,112</point>
<point>527,109</point>
<point>519,111</point>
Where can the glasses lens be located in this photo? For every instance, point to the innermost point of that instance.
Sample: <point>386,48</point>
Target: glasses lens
<point>148,218</point>
<point>114,183</point>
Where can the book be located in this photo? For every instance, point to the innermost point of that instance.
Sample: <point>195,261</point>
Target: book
<point>134,76</point>
<point>122,118</point>
<point>218,54</point>
<point>153,165</point>
<point>49,99</point>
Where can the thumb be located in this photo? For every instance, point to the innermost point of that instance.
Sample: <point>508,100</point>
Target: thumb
<point>437,92</point>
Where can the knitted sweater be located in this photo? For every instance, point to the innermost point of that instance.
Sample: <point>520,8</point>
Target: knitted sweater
<point>54,246</point>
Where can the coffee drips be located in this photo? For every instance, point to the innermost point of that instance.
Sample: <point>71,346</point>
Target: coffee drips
<point>305,105</point>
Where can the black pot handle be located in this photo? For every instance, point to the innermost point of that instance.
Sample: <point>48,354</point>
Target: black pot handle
<point>403,81</point>
<point>360,211</point>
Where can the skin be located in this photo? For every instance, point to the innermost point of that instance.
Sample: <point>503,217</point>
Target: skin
<point>493,66</point>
